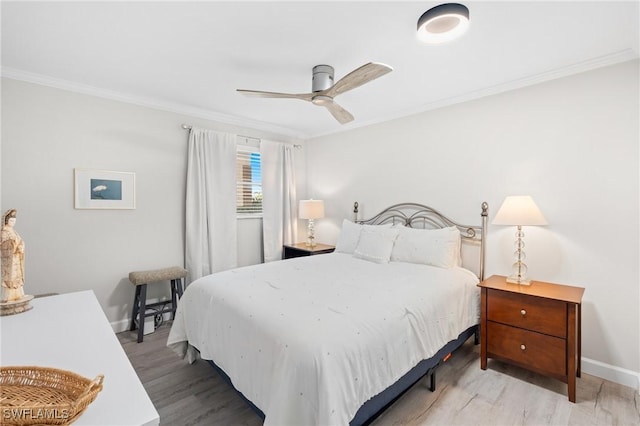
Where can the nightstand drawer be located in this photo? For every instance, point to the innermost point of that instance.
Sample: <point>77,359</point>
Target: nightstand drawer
<point>546,354</point>
<point>537,327</point>
<point>532,313</point>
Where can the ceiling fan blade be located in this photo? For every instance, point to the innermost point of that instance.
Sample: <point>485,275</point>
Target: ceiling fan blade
<point>261,94</point>
<point>358,77</point>
<point>339,113</point>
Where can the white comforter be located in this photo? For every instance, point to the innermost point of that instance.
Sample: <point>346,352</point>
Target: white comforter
<point>309,340</point>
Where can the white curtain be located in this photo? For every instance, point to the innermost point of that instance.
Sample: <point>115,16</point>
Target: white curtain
<point>279,224</point>
<point>210,237</point>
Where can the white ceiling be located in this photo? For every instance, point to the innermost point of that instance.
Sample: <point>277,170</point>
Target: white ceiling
<point>191,56</point>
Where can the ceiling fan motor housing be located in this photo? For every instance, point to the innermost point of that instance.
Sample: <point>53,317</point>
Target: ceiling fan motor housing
<point>322,78</point>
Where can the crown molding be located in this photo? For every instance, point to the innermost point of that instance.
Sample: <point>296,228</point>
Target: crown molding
<point>159,104</point>
<point>576,68</point>
<point>572,69</point>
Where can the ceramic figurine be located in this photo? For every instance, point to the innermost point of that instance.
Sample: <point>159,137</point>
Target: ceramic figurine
<point>12,259</point>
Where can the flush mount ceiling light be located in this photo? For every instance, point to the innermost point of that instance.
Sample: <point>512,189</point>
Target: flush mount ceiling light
<point>443,23</point>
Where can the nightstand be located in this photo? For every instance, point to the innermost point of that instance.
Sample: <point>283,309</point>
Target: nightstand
<point>302,249</point>
<point>536,327</point>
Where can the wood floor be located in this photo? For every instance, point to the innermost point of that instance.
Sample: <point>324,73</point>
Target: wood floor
<point>194,394</point>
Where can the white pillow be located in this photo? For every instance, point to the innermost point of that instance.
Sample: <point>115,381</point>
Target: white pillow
<point>435,247</point>
<point>350,234</point>
<point>348,238</point>
<point>376,243</point>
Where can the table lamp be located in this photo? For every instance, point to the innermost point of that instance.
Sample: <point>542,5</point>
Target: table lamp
<point>519,210</point>
<point>311,210</point>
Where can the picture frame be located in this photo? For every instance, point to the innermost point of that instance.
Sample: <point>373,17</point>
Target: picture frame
<point>104,189</point>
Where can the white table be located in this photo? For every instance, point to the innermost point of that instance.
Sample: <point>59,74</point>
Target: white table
<point>71,332</point>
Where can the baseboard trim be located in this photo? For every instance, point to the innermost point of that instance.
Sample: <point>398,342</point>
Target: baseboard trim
<point>612,373</point>
<point>120,326</point>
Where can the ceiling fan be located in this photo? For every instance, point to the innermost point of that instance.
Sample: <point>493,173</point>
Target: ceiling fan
<point>323,90</point>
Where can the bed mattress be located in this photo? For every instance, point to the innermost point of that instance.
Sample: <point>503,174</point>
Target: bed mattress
<point>310,340</point>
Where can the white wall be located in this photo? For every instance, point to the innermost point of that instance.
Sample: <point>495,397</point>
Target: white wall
<point>48,132</point>
<point>571,143</point>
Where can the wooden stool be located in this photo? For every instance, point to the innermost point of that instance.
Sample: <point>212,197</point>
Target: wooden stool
<point>140,279</point>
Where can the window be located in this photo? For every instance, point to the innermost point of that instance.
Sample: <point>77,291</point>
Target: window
<point>249,179</point>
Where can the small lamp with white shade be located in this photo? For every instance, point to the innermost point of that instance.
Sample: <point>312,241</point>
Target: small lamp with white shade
<point>311,210</point>
<point>519,210</point>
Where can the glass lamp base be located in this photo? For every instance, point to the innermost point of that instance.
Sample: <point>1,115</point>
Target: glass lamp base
<point>311,234</point>
<point>519,268</point>
<point>518,280</point>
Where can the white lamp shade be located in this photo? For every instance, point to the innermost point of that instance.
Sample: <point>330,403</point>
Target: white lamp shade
<point>311,209</point>
<point>519,210</point>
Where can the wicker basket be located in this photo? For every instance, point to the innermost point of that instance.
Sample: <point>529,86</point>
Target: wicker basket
<point>44,396</point>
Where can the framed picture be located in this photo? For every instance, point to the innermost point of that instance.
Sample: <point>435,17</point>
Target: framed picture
<point>102,189</point>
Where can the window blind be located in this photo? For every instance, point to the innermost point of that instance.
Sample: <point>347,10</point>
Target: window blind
<point>249,181</point>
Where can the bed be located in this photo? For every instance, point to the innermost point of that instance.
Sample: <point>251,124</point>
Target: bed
<point>334,339</point>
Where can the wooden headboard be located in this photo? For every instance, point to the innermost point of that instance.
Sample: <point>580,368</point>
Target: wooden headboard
<point>420,216</point>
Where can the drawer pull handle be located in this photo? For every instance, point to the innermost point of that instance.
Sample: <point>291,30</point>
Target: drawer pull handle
<point>523,347</point>
<point>523,312</point>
